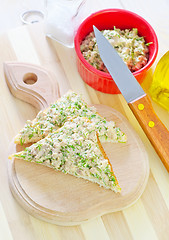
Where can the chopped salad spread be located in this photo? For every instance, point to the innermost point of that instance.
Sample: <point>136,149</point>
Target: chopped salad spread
<point>130,46</point>
<point>74,149</point>
<point>68,106</point>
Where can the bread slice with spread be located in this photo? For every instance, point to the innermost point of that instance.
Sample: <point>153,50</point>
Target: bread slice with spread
<point>74,149</point>
<point>54,117</point>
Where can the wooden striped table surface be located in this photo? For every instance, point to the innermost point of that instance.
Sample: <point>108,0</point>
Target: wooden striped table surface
<point>146,219</point>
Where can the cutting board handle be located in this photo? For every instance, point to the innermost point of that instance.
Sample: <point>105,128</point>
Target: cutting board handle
<point>31,83</point>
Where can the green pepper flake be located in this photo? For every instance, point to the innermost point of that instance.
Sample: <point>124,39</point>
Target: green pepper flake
<point>30,136</point>
<point>147,44</point>
<point>23,156</point>
<point>112,178</point>
<point>22,141</point>
<point>93,115</point>
<point>88,166</point>
<point>50,152</point>
<point>39,146</point>
<point>73,147</point>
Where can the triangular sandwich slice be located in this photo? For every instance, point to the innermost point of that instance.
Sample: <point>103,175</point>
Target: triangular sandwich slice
<point>74,149</point>
<point>69,105</point>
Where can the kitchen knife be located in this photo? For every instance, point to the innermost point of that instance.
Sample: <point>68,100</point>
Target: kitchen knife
<point>136,98</point>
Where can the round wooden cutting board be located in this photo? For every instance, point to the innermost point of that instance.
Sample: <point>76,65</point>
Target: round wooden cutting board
<point>66,200</point>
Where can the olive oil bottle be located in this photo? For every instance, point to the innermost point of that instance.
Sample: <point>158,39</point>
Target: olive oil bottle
<point>159,89</point>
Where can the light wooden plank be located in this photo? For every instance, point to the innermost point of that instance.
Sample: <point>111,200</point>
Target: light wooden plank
<point>44,230</point>
<point>68,233</point>
<point>49,57</point>
<point>161,176</point>
<point>95,229</point>
<point>22,44</point>
<point>116,226</point>
<point>92,94</point>
<point>68,61</point>
<point>156,208</point>
<point>5,232</point>
<point>139,222</point>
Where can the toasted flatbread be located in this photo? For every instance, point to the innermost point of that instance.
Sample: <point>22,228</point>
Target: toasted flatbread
<point>54,117</point>
<point>74,149</point>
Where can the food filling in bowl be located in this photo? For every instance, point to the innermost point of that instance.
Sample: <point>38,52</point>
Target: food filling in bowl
<point>131,47</point>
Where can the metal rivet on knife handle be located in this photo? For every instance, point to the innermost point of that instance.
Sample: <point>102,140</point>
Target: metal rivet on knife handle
<point>141,106</point>
<point>151,124</point>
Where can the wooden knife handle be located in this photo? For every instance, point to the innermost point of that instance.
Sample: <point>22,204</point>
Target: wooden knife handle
<point>153,127</point>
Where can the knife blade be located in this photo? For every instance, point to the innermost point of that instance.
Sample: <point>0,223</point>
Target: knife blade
<point>137,99</point>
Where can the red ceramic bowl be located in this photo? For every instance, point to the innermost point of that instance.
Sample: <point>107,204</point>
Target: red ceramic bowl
<point>107,19</point>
